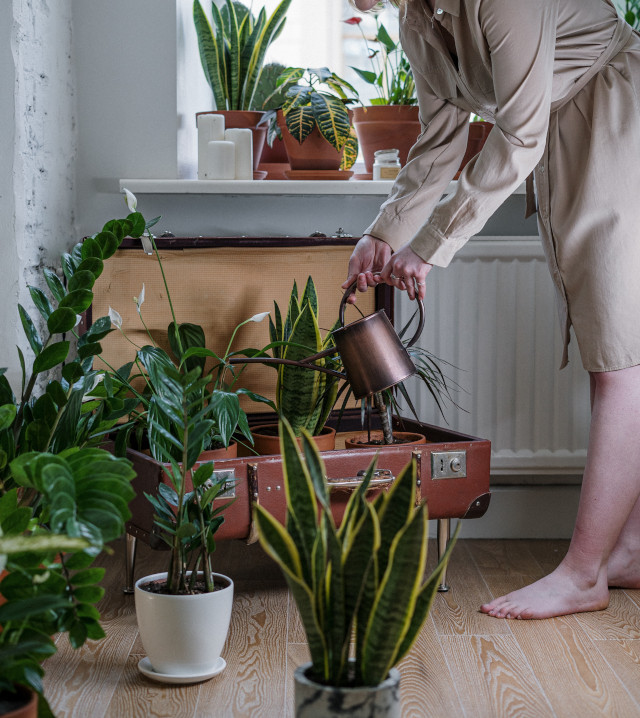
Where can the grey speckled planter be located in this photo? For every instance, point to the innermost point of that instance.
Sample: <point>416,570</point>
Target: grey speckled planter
<point>317,701</point>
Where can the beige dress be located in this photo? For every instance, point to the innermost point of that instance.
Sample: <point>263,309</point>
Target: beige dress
<point>561,81</point>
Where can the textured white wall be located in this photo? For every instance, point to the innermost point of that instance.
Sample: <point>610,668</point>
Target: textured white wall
<point>37,176</point>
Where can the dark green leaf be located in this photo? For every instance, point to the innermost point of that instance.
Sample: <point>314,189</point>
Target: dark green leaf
<point>82,279</point>
<point>137,224</point>
<point>89,350</point>
<point>55,285</point>
<point>51,356</point>
<point>108,242</point>
<point>7,415</point>
<point>78,300</point>
<point>88,576</point>
<point>62,320</point>
<point>72,372</point>
<point>69,265</point>
<point>29,329</point>
<point>40,300</point>
<point>91,248</point>
<point>93,265</point>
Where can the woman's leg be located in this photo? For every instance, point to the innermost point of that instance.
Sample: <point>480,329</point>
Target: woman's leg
<point>608,522</point>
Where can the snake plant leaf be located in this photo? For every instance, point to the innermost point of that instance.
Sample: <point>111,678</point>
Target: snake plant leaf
<point>293,311</point>
<point>301,498</point>
<point>425,600</point>
<point>234,53</point>
<point>278,544</point>
<point>300,122</point>
<point>268,32</point>
<point>316,471</point>
<point>310,296</point>
<point>355,505</point>
<point>211,53</point>
<point>332,118</point>
<point>349,151</point>
<point>396,508</point>
<point>395,599</point>
<point>337,620</point>
<point>299,403</point>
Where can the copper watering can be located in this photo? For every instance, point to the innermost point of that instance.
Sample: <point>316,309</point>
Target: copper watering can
<point>371,352</point>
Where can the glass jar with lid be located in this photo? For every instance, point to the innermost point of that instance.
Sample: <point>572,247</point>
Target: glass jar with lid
<point>386,164</point>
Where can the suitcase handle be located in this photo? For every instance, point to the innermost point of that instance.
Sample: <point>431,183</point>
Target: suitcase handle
<point>381,477</point>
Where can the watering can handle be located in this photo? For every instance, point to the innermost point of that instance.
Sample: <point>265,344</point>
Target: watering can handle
<point>343,305</point>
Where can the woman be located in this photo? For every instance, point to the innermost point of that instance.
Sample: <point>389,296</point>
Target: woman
<point>561,81</point>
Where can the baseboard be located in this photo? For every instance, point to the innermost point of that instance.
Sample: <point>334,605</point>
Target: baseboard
<point>525,512</point>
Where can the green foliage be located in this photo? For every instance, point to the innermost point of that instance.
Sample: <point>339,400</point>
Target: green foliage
<point>630,10</point>
<point>362,580</point>
<point>390,72</point>
<point>304,397</point>
<point>233,47</point>
<point>186,518</point>
<point>317,97</point>
<point>82,503</point>
<point>58,492</point>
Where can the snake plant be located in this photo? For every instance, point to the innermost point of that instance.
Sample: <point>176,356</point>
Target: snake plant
<point>361,581</point>
<point>304,397</point>
<point>233,48</point>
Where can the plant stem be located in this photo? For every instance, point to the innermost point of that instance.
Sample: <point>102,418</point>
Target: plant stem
<point>381,408</point>
<point>166,288</point>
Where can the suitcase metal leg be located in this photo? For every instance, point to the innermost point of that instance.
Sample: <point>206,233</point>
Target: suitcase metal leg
<point>444,535</point>
<point>130,562</point>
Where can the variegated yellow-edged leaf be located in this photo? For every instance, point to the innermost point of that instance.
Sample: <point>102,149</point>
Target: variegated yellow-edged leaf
<point>211,55</point>
<point>350,151</point>
<point>332,118</point>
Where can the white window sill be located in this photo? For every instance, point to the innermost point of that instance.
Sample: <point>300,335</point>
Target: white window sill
<point>265,187</point>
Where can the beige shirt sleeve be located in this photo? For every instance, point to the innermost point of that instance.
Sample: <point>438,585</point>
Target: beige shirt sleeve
<point>521,38</point>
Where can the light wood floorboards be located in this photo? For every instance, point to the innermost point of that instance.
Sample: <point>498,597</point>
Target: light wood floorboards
<point>464,663</point>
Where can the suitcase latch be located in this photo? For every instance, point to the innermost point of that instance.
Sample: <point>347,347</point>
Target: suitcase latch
<point>381,477</point>
<point>448,464</point>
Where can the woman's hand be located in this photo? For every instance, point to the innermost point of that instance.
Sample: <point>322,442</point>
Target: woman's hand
<point>407,271</point>
<point>365,5</point>
<point>369,257</point>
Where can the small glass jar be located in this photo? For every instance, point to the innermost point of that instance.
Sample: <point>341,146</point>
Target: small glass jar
<point>386,164</point>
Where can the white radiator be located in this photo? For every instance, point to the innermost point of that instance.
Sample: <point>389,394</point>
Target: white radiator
<point>492,315</point>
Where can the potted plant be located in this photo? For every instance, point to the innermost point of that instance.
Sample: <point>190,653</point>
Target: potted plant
<point>232,51</point>
<point>62,498</point>
<point>183,614</point>
<point>316,124</point>
<point>274,160</point>
<point>359,583</point>
<point>391,120</point>
<point>304,397</point>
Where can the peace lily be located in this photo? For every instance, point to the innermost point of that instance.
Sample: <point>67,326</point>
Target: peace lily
<point>130,199</point>
<point>116,319</point>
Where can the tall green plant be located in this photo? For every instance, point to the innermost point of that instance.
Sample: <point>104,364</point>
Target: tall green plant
<point>362,579</point>
<point>304,397</point>
<point>233,49</point>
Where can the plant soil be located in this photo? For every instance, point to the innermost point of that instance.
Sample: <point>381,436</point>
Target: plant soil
<point>380,442</point>
<point>160,586</point>
<point>14,701</point>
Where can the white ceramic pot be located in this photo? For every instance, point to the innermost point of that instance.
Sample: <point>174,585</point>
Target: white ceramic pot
<point>183,635</point>
<point>314,700</point>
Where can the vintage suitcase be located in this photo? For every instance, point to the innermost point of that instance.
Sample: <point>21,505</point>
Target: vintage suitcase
<point>219,282</point>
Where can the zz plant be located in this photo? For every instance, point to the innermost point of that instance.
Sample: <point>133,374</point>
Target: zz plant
<point>361,581</point>
<point>232,50</point>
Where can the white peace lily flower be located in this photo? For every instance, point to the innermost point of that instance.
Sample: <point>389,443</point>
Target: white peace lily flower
<point>258,317</point>
<point>139,299</point>
<point>130,199</point>
<point>78,320</point>
<point>116,319</point>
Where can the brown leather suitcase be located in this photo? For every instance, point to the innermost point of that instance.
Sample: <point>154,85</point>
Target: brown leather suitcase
<point>218,282</point>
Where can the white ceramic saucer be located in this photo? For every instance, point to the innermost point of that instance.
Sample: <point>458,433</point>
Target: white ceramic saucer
<point>145,667</point>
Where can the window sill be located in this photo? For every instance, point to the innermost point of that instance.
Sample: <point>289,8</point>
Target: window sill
<point>265,187</point>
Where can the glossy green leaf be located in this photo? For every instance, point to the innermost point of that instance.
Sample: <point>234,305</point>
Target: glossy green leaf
<point>7,416</point>
<point>91,248</point>
<point>332,119</point>
<point>300,122</point>
<point>30,330</point>
<point>78,300</point>
<point>62,320</point>
<point>82,279</point>
<point>108,243</point>
<point>137,224</point>
<point>55,285</point>
<point>94,265</point>
<point>51,356</point>
<point>40,300</point>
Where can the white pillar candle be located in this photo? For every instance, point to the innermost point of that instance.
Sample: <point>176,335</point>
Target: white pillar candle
<point>220,160</point>
<point>243,140</point>
<point>210,129</point>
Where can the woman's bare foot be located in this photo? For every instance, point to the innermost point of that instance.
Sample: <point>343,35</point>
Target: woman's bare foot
<point>558,594</point>
<point>623,568</point>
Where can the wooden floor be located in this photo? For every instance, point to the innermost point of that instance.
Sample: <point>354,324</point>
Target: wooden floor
<point>464,664</point>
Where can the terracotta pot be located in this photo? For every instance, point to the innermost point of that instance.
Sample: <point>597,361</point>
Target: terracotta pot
<point>29,708</point>
<point>315,153</point>
<point>245,119</point>
<point>360,440</point>
<point>267,442</point>
<point>316,700</point>
<point>478,133</point>
<point>381,127</point>
<point>274,160</point>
